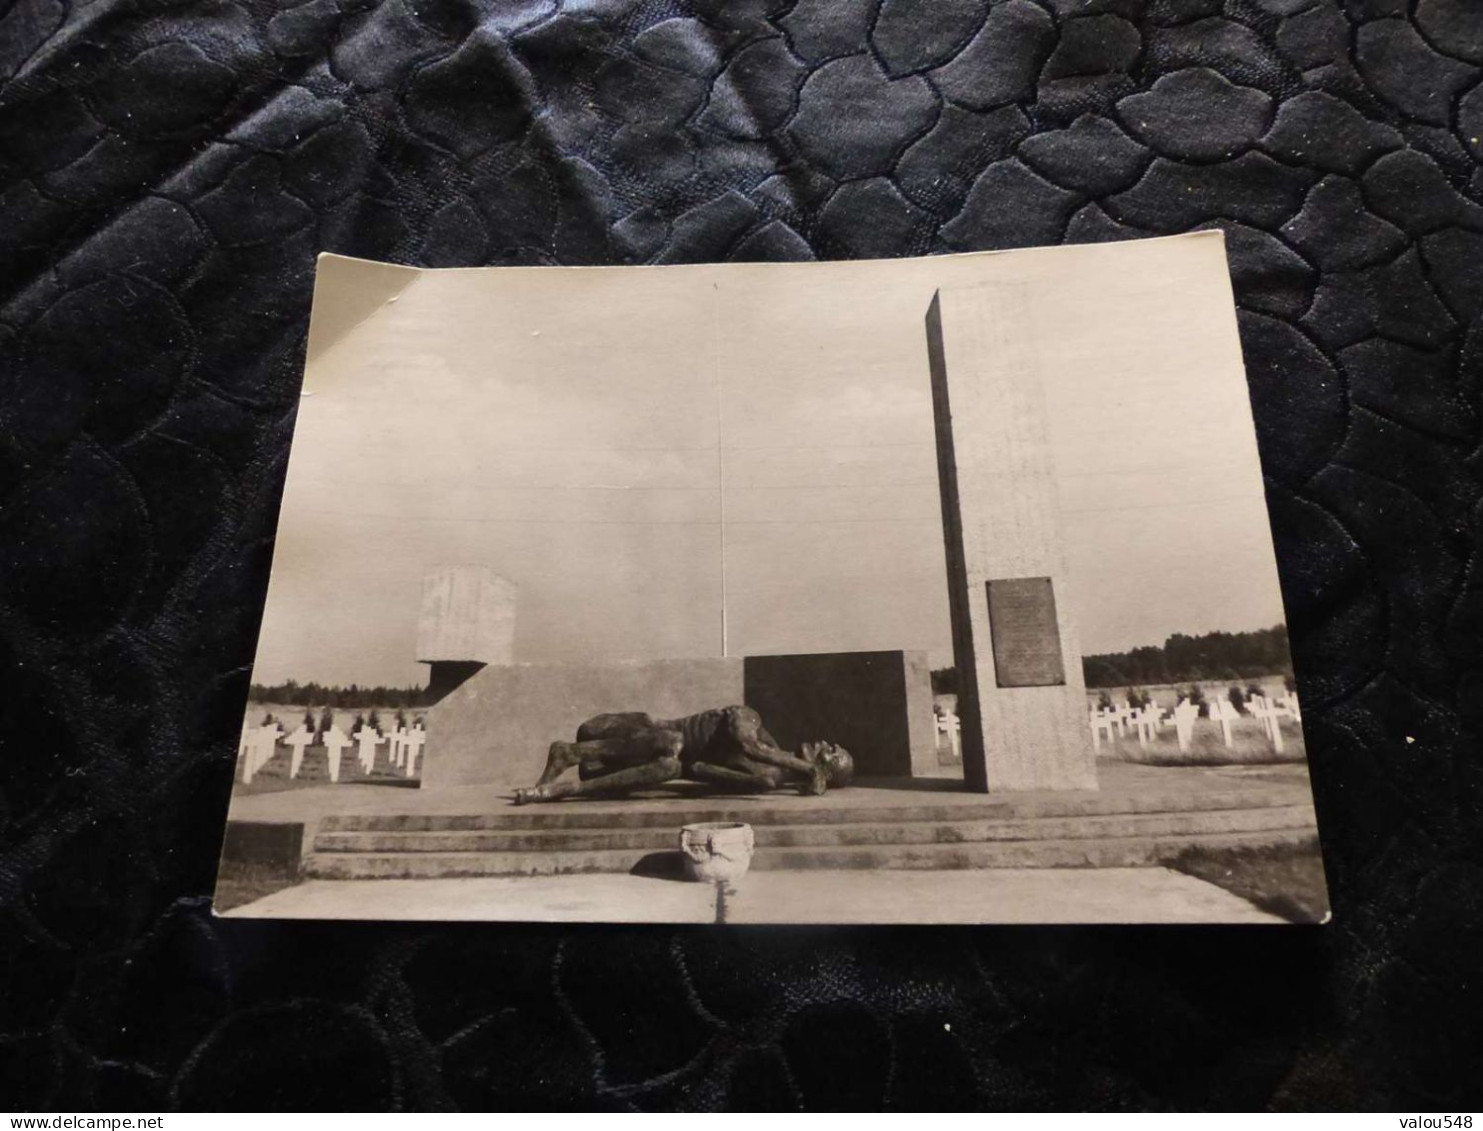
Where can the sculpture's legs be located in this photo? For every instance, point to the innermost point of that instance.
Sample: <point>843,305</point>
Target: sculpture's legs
<point>559,758</point>
<point>602,756</point>
<point>632,777</point>
<point>607,754</point>
<point>619,746</point>
<point>608,764</point>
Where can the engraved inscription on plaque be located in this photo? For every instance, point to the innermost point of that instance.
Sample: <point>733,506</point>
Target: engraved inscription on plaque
<point>1027,642</point>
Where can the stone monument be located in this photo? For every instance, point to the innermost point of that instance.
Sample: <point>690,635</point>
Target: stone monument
<point>1021,696</point>
<point>467,621</point>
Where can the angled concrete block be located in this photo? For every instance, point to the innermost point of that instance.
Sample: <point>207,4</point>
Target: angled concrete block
<point>497,727</point>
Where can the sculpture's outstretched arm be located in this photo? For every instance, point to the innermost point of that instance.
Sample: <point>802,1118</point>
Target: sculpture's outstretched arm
<point>747,729</point>
<point>772,756</point>
<point>762,779</point>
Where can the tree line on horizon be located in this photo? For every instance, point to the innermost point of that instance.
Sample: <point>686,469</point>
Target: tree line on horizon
<point>354,697</point>
<point>1181,658</point>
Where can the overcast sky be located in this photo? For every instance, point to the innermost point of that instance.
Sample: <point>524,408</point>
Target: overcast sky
<point>607,438</point>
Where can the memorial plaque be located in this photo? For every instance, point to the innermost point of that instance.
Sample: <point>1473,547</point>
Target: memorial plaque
<point>1027,640</point>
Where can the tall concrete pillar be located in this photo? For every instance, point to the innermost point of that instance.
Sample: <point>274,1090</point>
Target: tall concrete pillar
<point>467,621</point>
<point>1021,696</point>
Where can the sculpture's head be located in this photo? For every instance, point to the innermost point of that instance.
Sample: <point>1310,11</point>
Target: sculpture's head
<point>836,760</point>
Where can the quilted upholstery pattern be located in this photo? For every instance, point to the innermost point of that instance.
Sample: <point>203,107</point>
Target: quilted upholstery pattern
<point>167,173</point>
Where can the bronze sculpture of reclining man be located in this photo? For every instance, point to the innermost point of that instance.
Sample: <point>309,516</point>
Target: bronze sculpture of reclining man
<point>727,747</point>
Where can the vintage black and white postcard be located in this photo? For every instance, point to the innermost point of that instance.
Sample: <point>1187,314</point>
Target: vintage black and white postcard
<point>920,591</point>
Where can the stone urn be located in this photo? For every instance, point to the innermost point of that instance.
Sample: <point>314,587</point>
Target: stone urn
<point>717,852</point>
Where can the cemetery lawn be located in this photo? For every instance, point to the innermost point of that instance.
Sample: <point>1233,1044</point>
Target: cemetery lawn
<point>1249,746</point>
<point>239,884</point>
<point>1286,881</point>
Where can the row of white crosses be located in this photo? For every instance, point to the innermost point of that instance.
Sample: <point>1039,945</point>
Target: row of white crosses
<point>404,746</point>
<point>259,743</point>
<point>1111,722</point>
<point>1148,720</point>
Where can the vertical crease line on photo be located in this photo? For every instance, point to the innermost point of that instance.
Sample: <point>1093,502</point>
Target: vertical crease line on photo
<point>720,459</point>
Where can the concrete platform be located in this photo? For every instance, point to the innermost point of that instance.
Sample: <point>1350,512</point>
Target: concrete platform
<point>1143,817</point>
<point>1040,895</point>
<point>1125,787</point>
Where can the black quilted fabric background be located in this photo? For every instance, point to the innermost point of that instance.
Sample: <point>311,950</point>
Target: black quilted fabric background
<point>168,171</point>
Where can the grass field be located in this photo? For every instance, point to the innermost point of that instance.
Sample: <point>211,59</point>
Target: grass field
<point>1285,881</point>
<point>1249,746</point>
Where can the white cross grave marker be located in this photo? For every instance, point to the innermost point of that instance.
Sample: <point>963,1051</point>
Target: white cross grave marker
<point>245,748</point>
<point>335,740</point>
<point>368,739</point>
<point>1224,713</point>
<point>1269,716</point>
<point>1103,723</point>
<point>1290,705</point>
<point>1148,720</point>
<point>260,748</point>
<point>412,742</point>
<point>301,737</point>
<point>1185,714</point>
<point>271,733</point>
<point>949,725</point>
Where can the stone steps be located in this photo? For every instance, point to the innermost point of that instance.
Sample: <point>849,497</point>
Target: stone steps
<point>862,832</point>
<point>864,828</point>
<point>1086,852</point>
<point>670,815</point>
